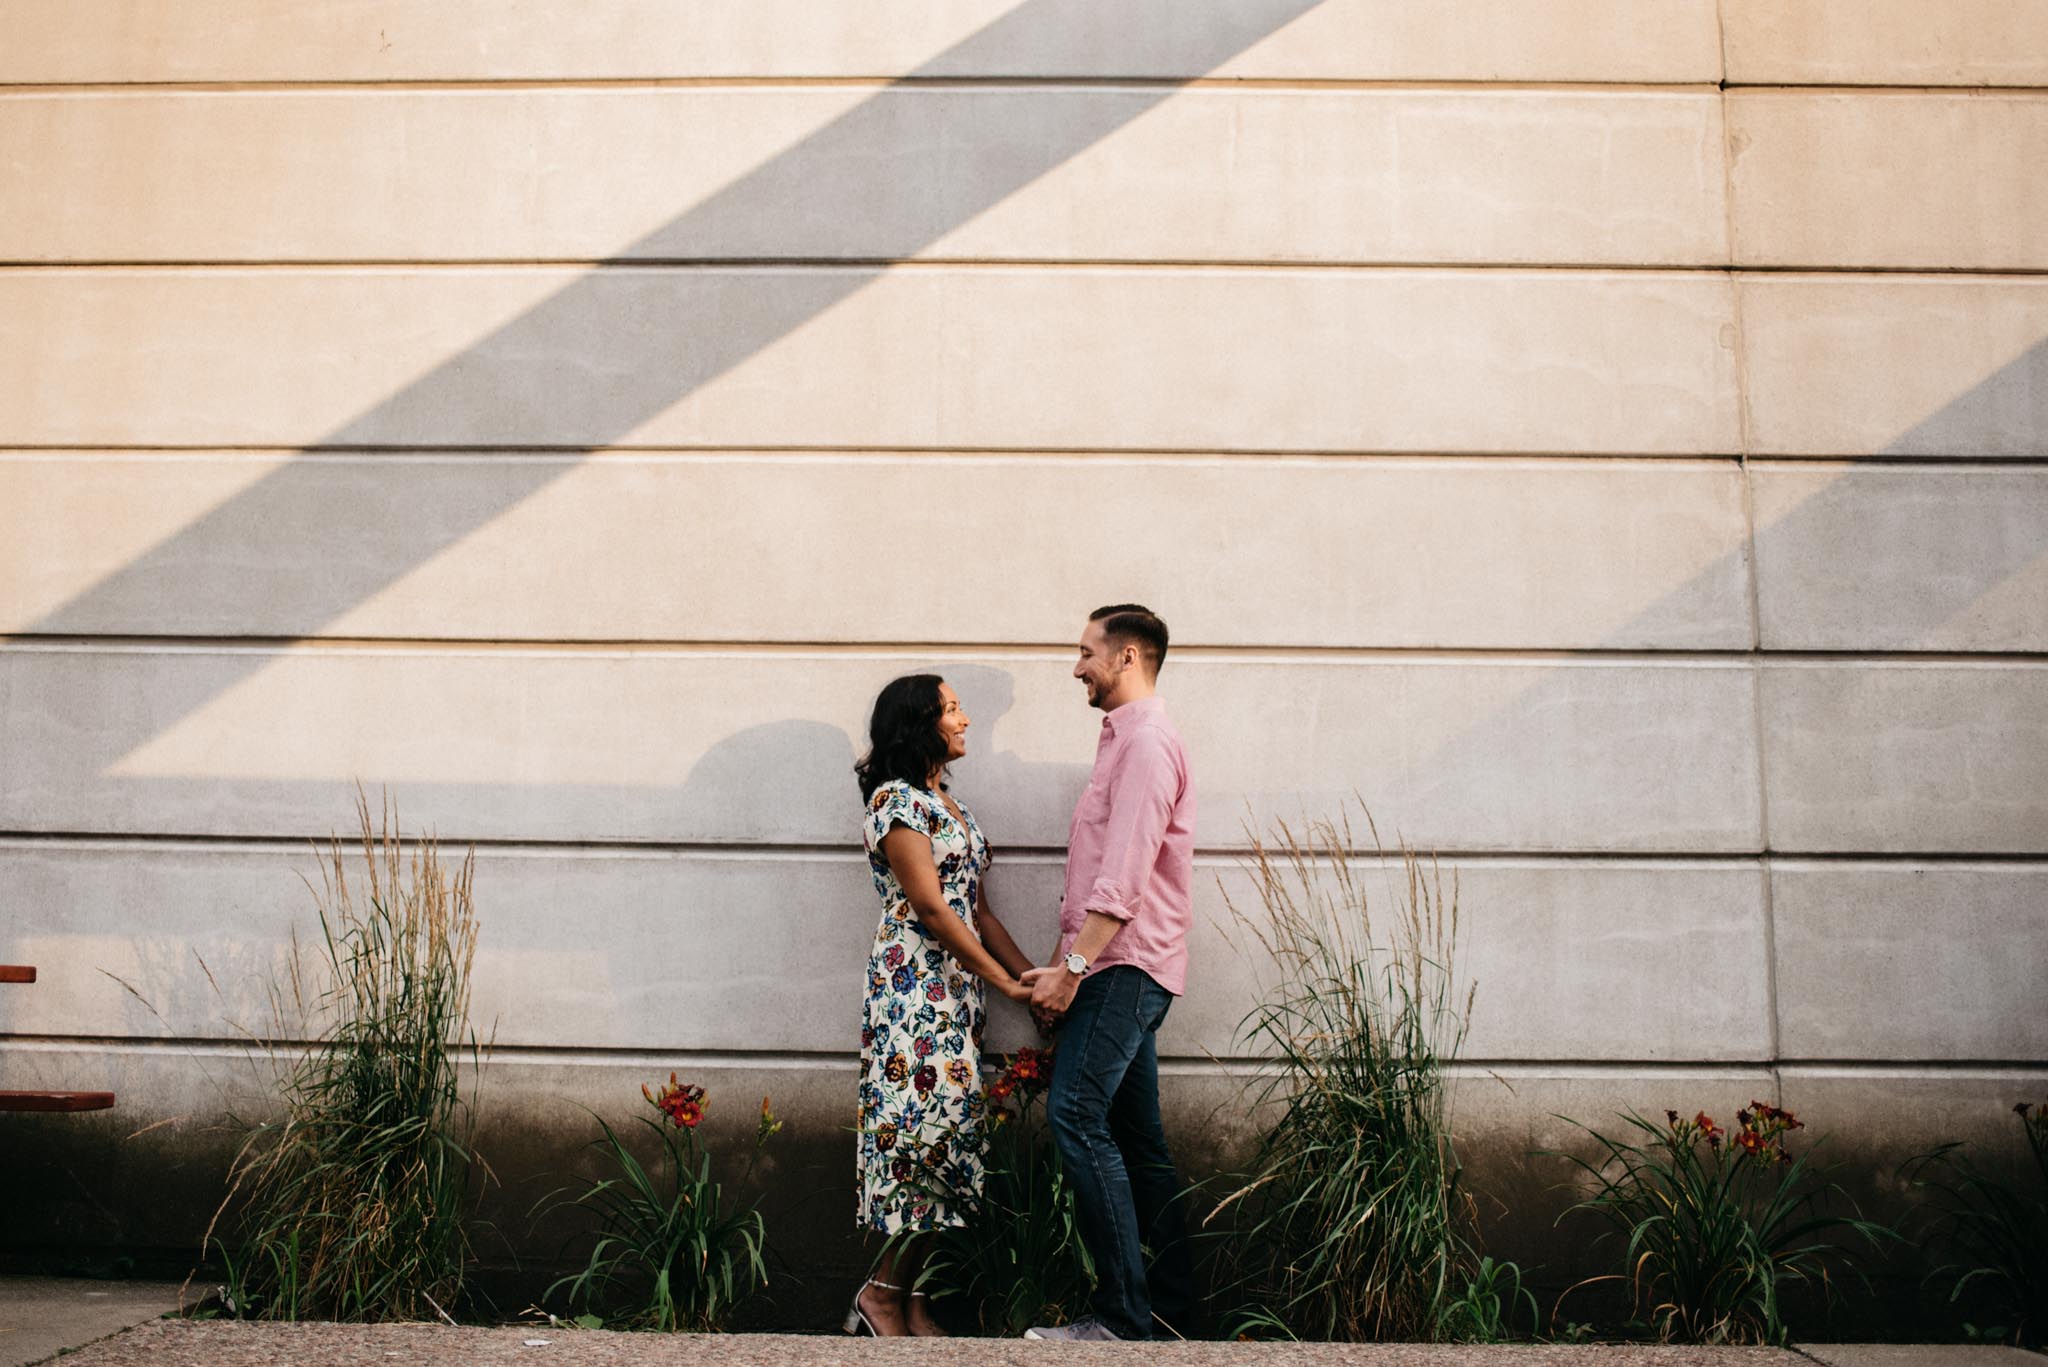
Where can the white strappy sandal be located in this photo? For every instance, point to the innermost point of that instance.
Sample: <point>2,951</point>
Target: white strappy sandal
<point>857,1321</point>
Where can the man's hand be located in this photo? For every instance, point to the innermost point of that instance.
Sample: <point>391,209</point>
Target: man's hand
<point>1052,989</point>
<point>1046,1021</point>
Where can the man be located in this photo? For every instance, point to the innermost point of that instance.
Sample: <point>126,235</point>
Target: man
<point>1122,959</point>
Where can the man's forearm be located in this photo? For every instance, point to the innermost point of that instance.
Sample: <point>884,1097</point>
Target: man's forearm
<point>1096,933</point>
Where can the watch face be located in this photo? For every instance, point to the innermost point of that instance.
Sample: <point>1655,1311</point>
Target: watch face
<point>1076,964</point>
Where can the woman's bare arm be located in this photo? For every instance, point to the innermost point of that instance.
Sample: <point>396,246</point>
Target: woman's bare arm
<point>910,859</point>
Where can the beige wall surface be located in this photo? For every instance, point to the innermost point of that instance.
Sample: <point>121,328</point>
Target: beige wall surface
<point>126,41</point>
<point>1886,42</point>
<point>1395,552</point>
<point>1895,180</point>
<point>1318,174</point>
<point>1295,359</point>
<point>1610,441</point>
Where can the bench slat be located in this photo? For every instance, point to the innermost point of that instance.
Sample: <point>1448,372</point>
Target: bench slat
<point>56,1101</point>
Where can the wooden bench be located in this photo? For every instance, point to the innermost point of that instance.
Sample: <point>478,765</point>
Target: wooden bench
<point>46,1101</point>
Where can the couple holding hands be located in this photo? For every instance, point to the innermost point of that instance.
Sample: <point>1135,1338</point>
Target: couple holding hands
<point>1120,961</point>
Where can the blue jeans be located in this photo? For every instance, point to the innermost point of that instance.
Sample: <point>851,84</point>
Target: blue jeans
<point>1104,1113</point>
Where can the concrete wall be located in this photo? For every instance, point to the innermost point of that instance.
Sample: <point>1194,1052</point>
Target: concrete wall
<point>1613,443</point>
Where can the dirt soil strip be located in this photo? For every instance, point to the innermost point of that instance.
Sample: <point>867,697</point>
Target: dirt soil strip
<point>216,1343</point>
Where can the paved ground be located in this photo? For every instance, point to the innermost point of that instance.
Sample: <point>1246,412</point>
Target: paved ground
<point>218,1344</point>
<point>215,1343</point>
<point>1915,1355</point>
<point>39,1316</point>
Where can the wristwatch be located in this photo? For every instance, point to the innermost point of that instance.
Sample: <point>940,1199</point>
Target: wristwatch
<point>1076,965</point>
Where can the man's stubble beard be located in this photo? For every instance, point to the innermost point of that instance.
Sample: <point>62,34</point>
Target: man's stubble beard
<point>1098,693</point>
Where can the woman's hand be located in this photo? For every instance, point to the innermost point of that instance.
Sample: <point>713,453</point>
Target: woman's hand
<point>1014,990</point>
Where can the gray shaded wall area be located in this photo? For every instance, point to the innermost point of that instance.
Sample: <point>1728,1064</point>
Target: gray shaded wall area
<point>1571,436</point>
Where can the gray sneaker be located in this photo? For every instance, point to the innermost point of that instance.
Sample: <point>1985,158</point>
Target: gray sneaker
<point>1087,1329</point>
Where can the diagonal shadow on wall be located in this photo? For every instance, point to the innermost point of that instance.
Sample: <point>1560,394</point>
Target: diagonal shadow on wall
<point>265,526</point>
<point>487,394</point>
<point>1528,730</point>
<point>1813,600</point>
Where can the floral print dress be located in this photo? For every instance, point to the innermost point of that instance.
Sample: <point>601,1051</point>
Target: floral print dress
<point>921,1099</point>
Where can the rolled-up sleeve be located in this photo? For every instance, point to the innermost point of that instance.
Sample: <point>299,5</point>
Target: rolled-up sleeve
<point>1143,789</point>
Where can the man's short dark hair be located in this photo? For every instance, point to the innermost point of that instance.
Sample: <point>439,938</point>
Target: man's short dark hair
<point>1133,624</point>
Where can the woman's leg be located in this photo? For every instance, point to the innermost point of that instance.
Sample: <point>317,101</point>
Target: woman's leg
<point>884,1297</point>
<point>918,1308</point>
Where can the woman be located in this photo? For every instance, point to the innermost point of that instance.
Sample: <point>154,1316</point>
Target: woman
<point>921,1102</point>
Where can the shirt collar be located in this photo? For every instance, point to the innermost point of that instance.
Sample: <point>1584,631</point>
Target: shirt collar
<point>1135,710</point>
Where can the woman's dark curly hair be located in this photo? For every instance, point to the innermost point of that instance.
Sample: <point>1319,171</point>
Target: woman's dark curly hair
<point>903,734</point>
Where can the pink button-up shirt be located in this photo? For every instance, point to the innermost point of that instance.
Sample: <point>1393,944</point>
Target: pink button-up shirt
<point>1131,849</point>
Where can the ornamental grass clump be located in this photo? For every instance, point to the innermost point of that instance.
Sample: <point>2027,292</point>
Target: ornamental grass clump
<point>1349,1223</point>
<point>1018,1260</point>
<point>351,1205</point>
<point>671,1253</point>
<point>1993,1230</point>
<point>1716,1228</point>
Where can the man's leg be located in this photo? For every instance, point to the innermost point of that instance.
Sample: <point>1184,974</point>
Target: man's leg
<point>1155,1187</point>
<point>1100,1038</point>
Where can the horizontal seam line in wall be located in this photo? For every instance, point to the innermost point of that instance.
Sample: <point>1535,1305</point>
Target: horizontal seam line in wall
<point>1039,82</point>
<point>1041,265</point>
<point>1880,88</point>
<point>485,455</point>
<point>1184,1063</point>
<point>1209,856</point>
<point>429,451</point>
<point>578,453</point>
<point>1047,81</point>
<point>1962,465</point>
<point>1592,656</point>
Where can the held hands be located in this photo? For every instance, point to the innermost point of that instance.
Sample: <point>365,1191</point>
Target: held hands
<point>1046,1020</point>
<point>1052,992</point>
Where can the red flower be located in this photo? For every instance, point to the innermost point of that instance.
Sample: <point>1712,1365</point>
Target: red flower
<point>1028,1071</point>
<point>1761,1127</point>
<point>682,1102</point>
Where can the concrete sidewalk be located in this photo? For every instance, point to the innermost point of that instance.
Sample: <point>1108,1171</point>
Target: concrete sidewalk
<point>217,1343</point>
<point>43,1316</point>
